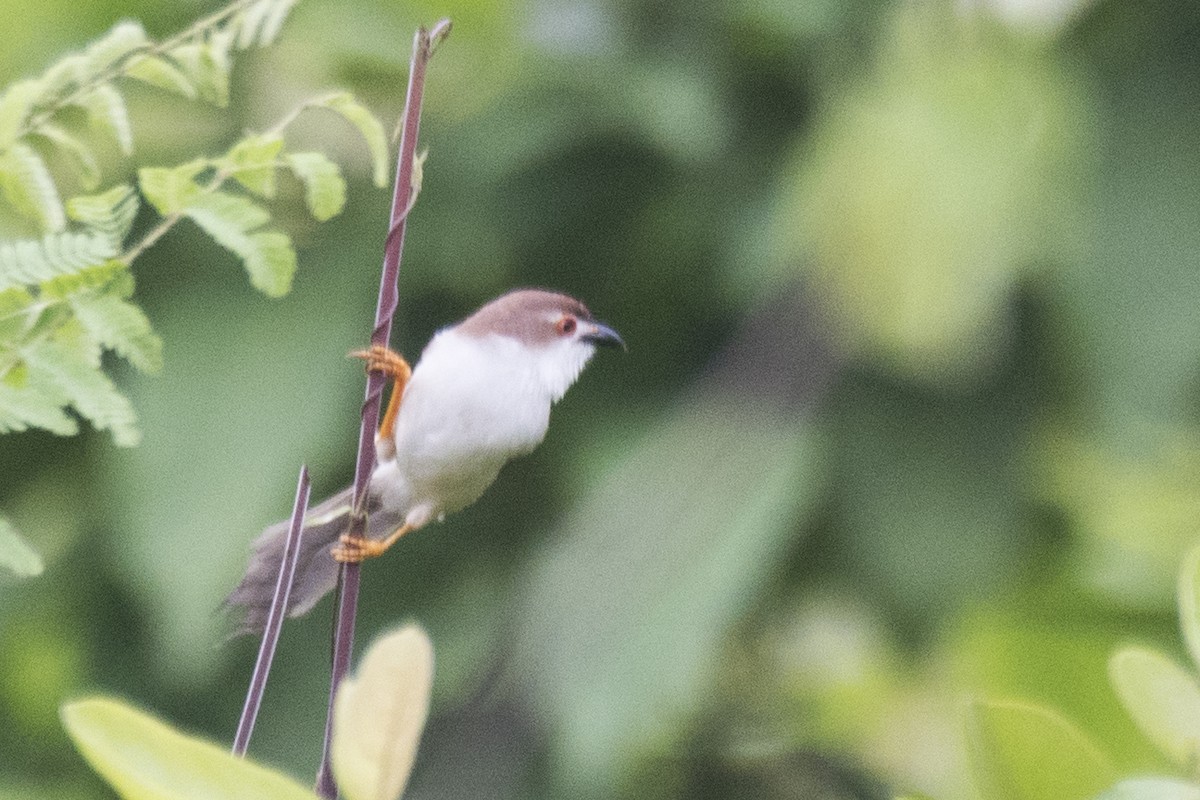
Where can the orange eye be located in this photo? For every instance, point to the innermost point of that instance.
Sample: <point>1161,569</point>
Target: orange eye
<point>566,326</point>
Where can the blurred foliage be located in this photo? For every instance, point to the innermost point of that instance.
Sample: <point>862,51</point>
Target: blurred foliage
<point>1009,741</point>
<point>904,446</point>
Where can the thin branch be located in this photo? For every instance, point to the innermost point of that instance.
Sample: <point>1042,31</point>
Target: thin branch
<point>279,602</point>
<point>389,297</point>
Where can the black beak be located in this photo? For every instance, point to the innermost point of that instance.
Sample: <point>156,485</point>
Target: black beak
<point>603,336</point>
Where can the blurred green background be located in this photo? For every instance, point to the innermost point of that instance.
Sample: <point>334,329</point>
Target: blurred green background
<point>909,415</point>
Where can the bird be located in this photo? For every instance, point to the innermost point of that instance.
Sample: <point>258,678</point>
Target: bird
<point>479,396</point>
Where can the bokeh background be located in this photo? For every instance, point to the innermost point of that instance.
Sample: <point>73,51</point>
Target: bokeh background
<point>909,414</point>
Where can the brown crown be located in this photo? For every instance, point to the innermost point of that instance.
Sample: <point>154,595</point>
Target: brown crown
<point>528,315</point>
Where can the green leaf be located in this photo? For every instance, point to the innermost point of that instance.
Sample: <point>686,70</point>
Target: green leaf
<point>79,154</point>
<point>277,12</point>
<point>33,261</point>
<point>379,715</point>
<point>1152,789</point>
<point>170,189</point>
<point>268,256</point>
<point>253,162</point>
<point>120,326</point>
<point>15,313</point>
<point>107,114</point>
<point>1162,698</point>
<point>225,216</point>
<point>65,73</point>
<point>28,186</point>
<point>324,187</point>
<point>249,22</point>
<point>34,403</point>
<point>111,275</point>
<point>1189,602</point>
<point>261,22</point>
<point>75,371</point>
<point>122,39</point>
<point>1020,751</point>
<point>143,758</point>
<point>15,553</point>
<point>111,213</point>
<point>207,67</point>
<point>369,126</point>
<point>271,263</point>
<point>159,72</point>
<point>15,105</point>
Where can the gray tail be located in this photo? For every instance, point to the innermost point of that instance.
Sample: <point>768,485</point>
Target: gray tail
<point>316,571</point>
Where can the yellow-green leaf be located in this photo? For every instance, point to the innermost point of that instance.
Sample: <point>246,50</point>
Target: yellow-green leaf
<point>106,113</point>
<point>1162,698</point>
<point>122,39</point>
<point>324,187</point>
<point>159,72</point>
<point>276,14</point>
<point>207,67</point>
<point>253,162</point>
<point>31,261</point>
<point>379,715</point>
<point>222,214</point>
<point>271,263</point>
<point>78,153</point>
<point>369,126</point>
<point>33,402</point>
<point>74,369</point>
<point>111,212</point>
<point>268,256</point>
<point>170,189</point>
<point>249,22</point>
<point>260,23</point>
<point>120,326</point>
<point>143,758</point>
<point>1020,751</point>
<point>63,74</point>
<point>29,187</point>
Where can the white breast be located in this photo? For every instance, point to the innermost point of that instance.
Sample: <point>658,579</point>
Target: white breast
<point>471,405</point>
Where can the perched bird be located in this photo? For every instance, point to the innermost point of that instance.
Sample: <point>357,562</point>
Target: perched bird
<point>479,396</point>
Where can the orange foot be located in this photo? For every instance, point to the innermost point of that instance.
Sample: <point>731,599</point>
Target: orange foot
<point>393,365</point>
<point>385,360</point>
<point>355,550</point>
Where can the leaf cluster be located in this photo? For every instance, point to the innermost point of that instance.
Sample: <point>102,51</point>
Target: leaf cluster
<point>66,287</point>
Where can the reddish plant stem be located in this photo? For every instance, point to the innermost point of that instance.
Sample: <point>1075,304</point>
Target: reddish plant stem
<point>283,589</point>
<point>389,297</point>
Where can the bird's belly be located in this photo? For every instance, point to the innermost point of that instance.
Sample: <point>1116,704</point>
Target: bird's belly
<point>456,430</point>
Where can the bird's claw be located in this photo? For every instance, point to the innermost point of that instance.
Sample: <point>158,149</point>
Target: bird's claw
<point>355,549</point>
<point>385,360</point>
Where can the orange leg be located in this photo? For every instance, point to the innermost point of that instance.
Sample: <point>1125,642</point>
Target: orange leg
<point>393,365</point>
<point>352,550</point>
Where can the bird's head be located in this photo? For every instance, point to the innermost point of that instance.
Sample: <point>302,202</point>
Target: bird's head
<point>555,332</point>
